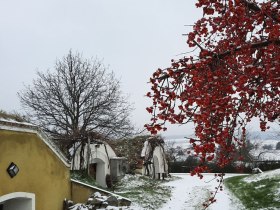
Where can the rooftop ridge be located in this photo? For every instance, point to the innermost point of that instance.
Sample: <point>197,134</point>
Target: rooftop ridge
<point>31,128</point>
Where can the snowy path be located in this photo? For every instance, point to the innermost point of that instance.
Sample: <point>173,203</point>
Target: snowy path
<point>190,192</point>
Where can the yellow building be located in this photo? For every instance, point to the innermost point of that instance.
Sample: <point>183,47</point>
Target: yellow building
<point>33,173</point>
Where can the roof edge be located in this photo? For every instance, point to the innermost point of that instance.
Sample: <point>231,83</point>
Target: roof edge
<point>30,128</point>
<point>99,189</point>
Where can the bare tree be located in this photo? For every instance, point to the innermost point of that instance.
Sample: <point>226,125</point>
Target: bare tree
<point>170,151</point>
<point>77,98</point>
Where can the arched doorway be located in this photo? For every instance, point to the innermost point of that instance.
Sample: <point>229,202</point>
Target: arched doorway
<point>17,200</point>
<point>97,171</point>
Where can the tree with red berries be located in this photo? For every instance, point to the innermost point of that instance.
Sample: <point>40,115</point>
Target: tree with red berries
<point>234,76</point>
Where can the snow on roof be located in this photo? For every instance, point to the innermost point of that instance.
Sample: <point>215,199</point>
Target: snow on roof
<point>12,125</point>
<point>14,121</point>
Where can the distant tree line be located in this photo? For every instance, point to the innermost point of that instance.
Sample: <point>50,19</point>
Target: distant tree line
<point>190,163</point>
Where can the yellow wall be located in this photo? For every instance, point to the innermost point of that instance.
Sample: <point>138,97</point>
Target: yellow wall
<point>80,193</point>
<point>40,171</point>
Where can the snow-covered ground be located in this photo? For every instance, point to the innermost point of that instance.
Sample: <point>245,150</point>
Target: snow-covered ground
<point>264,175</point>
<point>190,192</point>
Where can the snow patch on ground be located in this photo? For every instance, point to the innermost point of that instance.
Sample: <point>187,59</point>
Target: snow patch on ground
<point>132,182</point>
<point>278,192</point>
<point>190,192</point>
<point>264,175</point>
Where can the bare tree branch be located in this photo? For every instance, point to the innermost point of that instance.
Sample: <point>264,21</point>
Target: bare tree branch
<point>79,96</point>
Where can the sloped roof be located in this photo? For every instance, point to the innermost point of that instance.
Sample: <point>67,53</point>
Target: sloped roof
<point>12,125</point>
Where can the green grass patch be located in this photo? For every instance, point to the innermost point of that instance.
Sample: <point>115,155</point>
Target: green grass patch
<point>146,192</point>
<point>142,190</point>
<point>263,193</point>
<point>82,176</point>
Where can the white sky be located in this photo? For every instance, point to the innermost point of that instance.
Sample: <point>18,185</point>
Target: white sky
<point>132,37</point>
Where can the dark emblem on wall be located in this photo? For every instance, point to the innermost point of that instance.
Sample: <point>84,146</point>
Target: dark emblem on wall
<point>12,170</point>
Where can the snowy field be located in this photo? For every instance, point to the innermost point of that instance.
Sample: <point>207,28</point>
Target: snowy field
<point>189,193</point>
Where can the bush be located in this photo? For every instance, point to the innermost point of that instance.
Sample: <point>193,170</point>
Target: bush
<point>268,165</point>
<point>267,147</point>
<point>13,116</point>
<point>278,146</point>
<point>188,165</point>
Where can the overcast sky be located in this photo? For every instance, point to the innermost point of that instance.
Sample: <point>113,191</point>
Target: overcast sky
<point>132,37</point>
